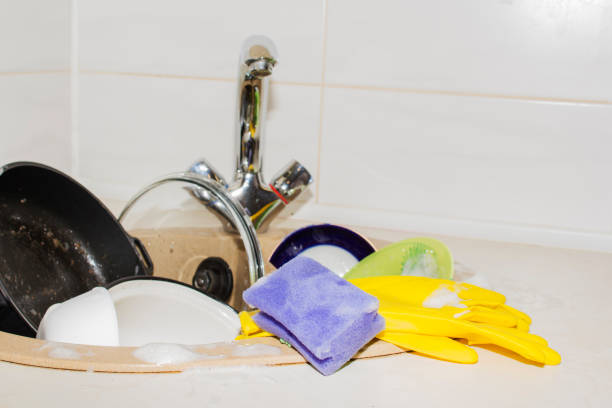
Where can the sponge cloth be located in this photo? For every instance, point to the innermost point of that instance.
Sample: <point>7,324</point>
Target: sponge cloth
<point>326,318</point>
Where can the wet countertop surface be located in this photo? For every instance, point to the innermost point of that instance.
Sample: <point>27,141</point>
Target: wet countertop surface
<point>566,292</point>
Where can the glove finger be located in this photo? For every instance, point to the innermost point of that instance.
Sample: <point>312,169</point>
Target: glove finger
<point>521,334</point>
<point>433,323</point>
<point>522,325</point>
<point>247,324</point>
<point>479,314</point>
<point>551,357</point>
<point>434,346</point>
<point>523,321</point>
<point>516,312</point>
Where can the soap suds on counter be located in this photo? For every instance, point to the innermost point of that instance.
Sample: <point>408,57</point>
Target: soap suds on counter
<point>255,350</point>
<point>61,351</point>
<point>234,376</point>
<point>441,297</point>
<point>166,353</point>
<point>467,275</point>
<point>478,280</point>
<point>212,346</point>
<point>64,353</point>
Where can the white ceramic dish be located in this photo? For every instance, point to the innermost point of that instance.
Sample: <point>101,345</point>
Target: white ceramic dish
<point>88,318</point>
<point>335,247</point>
<point>157,310</point>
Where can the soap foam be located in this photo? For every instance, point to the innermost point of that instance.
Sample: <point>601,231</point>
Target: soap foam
<point>166,353</point>
<point>255,350</point>
<point>422,265</point>
<point>61,351</point>
<point>441,297</point>
<point>64,353</point>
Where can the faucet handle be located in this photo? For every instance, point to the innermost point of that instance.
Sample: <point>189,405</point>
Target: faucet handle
<point>290,181</point>
<point>206,170</point>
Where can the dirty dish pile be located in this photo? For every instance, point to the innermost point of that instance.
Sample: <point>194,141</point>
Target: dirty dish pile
<point>70,273</point>
<point>331,295</point>
<point>57,241</point>
<point>136,311</point>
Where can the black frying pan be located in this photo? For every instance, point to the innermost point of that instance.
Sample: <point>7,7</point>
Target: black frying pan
<point>57,240</point>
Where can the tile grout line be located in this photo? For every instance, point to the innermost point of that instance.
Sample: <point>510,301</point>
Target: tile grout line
<point>41,72</point>
<point>151,75</point>
<point>461,219</point>
<point>74,91</point>
<point>321,100</point>
<point>468,94</point>
<point>187,77</point>
<point>324,84</point>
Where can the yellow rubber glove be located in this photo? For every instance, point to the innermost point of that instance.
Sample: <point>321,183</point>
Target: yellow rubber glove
<point>460,300</point>
<point>434,346</point>
<point>426,314</point>
<point>432,324</point>
<point>249,327</point>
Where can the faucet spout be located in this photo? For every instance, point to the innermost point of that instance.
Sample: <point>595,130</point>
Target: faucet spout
<point>261,201</point>
<point>257,61</point>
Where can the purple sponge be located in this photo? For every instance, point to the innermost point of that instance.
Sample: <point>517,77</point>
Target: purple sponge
<point>326,318</point>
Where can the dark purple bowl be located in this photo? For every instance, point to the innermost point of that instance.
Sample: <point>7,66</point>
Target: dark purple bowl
<point>321,234</point>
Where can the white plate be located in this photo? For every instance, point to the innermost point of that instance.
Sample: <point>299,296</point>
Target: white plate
<point>163,311</point>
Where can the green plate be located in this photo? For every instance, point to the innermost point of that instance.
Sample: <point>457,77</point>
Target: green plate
<point>415,256</point>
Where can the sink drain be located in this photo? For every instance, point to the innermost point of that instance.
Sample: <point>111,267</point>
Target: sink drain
<point>214,277</point>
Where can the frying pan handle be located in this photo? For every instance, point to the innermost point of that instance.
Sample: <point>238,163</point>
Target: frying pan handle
<point>143,255</point>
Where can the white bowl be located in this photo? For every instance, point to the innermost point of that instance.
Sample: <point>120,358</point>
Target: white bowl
<point>333,246</point>
<point>88,318</point>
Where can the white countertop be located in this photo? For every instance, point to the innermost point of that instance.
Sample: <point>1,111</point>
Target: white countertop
<point>566,292</point>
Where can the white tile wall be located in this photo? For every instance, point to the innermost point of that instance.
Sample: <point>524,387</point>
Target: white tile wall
<point>292,128</point>
<point>198,38</point>
<point>34,82</point>
<point>34,119</point>
<point>136,129</point>
<point>468,158</point>
<point>133,130</point>
<point>473,118</point>
<point>552,49</point>
<point>34,35</point>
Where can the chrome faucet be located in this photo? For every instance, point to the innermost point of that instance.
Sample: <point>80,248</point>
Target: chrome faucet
<point>260,200</point>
